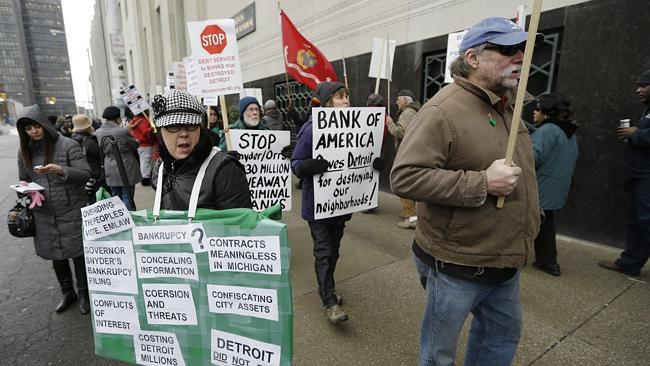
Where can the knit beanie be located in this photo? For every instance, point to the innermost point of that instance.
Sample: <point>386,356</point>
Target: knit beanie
<point>325,91</point>
<point>244,103</point>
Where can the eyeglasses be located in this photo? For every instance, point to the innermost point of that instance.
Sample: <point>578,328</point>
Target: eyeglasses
<point>178,127</point>
<point>507,50</point>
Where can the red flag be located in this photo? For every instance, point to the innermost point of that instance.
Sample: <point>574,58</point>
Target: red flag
<point>303,61</point>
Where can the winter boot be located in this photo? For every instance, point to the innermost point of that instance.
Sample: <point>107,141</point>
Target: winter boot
<point>64,276</point>
<point>82,284</point>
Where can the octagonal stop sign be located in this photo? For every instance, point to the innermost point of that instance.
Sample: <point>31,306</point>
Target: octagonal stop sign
<point>213,39</point>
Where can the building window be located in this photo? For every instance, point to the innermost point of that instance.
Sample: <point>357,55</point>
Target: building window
<point>300,98</point>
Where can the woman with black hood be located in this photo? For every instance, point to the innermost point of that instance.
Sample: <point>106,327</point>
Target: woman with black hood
<point>58,164</point>
<point>183,147</point>
<point>556,152</point>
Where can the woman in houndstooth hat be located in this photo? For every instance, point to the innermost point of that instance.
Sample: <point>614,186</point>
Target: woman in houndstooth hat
<point>183,146</point>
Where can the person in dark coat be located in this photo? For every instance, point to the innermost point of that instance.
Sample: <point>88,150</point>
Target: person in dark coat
<point>58,164</point>
<point>128,147</point>
<point>272,118</point>
<point>249,118</point>
<point>82,132</point>
<point>183,147</point>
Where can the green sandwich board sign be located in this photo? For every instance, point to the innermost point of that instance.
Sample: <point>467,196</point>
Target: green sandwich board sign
<point>213,291</point>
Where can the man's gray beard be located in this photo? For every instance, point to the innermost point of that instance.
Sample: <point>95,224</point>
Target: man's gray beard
<point>248,121</point>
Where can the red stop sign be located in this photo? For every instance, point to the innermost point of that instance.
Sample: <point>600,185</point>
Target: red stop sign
<point>213,39</point>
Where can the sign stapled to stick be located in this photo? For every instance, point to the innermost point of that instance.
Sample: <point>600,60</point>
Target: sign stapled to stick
<point>215,291</point>
<point>268,173</point>
<point>134,100</point>
<point>214,48</point>
<point>349,139</point>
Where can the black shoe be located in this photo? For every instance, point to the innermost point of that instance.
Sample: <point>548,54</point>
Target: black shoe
<point>84,301</point>
<point>145,182</point>
<point>67,301</point>
<point>613,267</point>
<point>552,269</point>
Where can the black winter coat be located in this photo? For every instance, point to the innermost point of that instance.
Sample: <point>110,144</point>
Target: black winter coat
<point>224,185</point>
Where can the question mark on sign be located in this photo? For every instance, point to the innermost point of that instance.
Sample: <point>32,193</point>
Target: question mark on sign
<point>200,240</point>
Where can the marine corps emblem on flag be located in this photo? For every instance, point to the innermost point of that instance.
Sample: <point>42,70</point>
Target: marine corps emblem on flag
<point>306,58</point>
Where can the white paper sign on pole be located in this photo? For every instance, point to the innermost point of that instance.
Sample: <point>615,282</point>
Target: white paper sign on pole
<point>214,47</point>
<point>169,304</point>
<point>104,218</point>
<point>453,46</point>
<point>252,254</point>
<point>180,76</point>
<point>252,92</point>
<point>133,99</point>
<point>110,266</point>
<point>268,173</point>
<point>114,314</point>
<point>246,301</point>
<point>211,101</point>
<point>228,349</point>
<point>190,75</point>
<point>157,348</point>
<point>522,12</point>
<point>349,139</point>
<point>378,66</point>
<point>170,80</point>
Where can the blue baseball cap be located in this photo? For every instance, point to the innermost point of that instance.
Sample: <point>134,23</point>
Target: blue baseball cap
<point>496,30</point>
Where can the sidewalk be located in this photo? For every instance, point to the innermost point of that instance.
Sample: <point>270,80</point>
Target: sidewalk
<point>588,316</point>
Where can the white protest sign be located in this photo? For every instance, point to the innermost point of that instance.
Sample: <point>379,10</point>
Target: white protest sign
<point>114,314</point>
<point>522,12</point>
<point>190,75</point>
<point>246,301</point>
<point>212,101</point>
<point>214,47</point>
<point>350,140</point>
<point>110,266</point>
<point>378,60</point>
<point>453,47</point>
<point>180,76</point>
<point>268,173</point>
<point>157,348</point>
<point>134,100</point>
<point>170,80</point>
<point>104,218</point>
<point>245,254</point>
<point>162,234</point>
<point>228,349</point>
<point>169,304</point>
<point>157,265</point>
<point>252,92</point>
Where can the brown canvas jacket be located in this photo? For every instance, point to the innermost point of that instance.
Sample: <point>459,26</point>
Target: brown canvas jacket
<point>441,165</point>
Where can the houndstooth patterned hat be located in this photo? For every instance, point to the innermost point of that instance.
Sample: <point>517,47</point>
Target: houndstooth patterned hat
<point>177,107</point>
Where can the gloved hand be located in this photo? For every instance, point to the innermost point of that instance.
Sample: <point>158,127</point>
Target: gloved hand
<point>287,151</point>
<point>379,163</point>
<point>234,154</point>
<point>309,167</point>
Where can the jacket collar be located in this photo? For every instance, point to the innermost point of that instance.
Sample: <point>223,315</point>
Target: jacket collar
<point>498,102</point>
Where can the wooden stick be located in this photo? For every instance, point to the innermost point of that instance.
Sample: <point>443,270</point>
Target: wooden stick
<point>521,89</point>
<point>381,66</point>
<point>286,76</point>
<point>389,68</point>
<point>226,127</point>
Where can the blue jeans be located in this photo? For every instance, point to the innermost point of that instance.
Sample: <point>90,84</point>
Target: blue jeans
<point>123,193</point>
<point>495,330</point>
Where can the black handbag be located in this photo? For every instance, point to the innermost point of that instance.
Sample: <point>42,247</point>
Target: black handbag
<point>20,219</point>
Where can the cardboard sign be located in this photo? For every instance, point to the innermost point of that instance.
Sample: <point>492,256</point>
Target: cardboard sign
<point>349,139</point>
<point>110,266</point>
<point>380,67</point>
<point>214,47</point>
<point>191,75</point>
<point>453,46</point>
<point>134,100</point>
<point>104,218</point>
<point>268,173</point>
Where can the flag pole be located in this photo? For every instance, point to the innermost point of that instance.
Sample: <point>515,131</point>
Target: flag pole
<point>389,72</point>
<point>284,63</point>
<point>521,88</point>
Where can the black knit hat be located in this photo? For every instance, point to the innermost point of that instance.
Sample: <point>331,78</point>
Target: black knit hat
<point>552,104</point>
<point>325,91</point>
<point>644,79</point>
<point>406,93</point>
<point>111,113</point>
<point>177,107</point>
<point>376,100</point>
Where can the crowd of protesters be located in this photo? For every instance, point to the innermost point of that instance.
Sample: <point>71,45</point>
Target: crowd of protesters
<point>468,253</point>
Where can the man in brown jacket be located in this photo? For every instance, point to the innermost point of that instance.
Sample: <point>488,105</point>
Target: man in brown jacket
<point>408,107</point>
<point>468,252</point>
